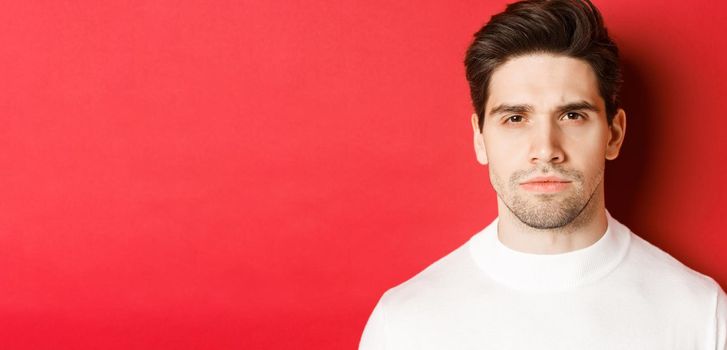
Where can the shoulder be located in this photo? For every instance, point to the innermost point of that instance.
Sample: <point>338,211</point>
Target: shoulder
<point>656,262</point>
<point>445,279</point>
<point>682,297</point>
<point>663,278</point>
<point>419,305</point>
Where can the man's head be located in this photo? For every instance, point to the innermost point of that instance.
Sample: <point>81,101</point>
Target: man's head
<point>544,79</point>
<point>572,28</point>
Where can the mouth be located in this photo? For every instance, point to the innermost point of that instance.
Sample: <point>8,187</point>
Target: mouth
<point>545,184</point>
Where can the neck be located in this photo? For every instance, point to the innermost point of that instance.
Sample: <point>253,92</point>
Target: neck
<point>582,232</point>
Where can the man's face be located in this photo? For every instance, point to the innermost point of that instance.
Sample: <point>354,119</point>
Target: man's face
<point>546,138</point>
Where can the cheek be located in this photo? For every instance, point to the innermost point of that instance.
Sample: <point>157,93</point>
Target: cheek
<point>589,160</point>
<point>502,166</point>
<point>504,148</point>
<point>587,149</point>
<point>502,157</point>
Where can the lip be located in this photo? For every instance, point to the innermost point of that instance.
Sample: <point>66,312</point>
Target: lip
<point>546,184</point>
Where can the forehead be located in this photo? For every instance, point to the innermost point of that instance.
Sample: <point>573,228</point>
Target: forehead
<point>544,81</point>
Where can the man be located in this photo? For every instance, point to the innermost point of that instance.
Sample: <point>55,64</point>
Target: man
<point>554,270</point>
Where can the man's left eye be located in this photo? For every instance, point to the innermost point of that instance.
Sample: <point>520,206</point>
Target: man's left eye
<point>572,116</point>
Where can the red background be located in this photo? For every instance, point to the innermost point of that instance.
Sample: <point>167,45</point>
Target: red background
<point>226,174</point>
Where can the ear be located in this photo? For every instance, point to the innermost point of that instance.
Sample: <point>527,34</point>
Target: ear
<point>480,149</point>
<point>617,131</point>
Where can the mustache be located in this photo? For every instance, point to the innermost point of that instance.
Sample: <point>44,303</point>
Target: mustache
<point>547,170</point>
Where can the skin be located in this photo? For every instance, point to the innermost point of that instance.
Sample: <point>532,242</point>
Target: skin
<point>545,117</point>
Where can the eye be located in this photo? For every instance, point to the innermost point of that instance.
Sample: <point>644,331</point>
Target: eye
<point>514,119</point>
<point>573,116</point>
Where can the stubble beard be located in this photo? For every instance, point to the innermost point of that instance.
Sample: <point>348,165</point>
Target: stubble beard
<point>547,211</point>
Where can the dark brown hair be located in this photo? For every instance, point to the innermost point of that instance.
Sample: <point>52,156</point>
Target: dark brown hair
<point>572,28</point>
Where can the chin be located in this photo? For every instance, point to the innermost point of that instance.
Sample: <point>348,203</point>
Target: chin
<point>546,215</point>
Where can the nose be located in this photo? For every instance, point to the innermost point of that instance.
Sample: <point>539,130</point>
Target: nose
<point>545,144</point>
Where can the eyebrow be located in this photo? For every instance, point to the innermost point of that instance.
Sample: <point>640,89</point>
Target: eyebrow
<point>526,108</point>
<point>505,108</point>
<point>582,105</point>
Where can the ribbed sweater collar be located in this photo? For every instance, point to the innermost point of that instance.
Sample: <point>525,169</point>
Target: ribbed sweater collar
<point>549,272</point>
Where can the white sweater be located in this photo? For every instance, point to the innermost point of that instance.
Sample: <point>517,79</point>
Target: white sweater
<point>619,293</point>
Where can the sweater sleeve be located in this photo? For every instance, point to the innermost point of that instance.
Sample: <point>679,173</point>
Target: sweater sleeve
<point>374,334</point>
<point>721,320</point>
